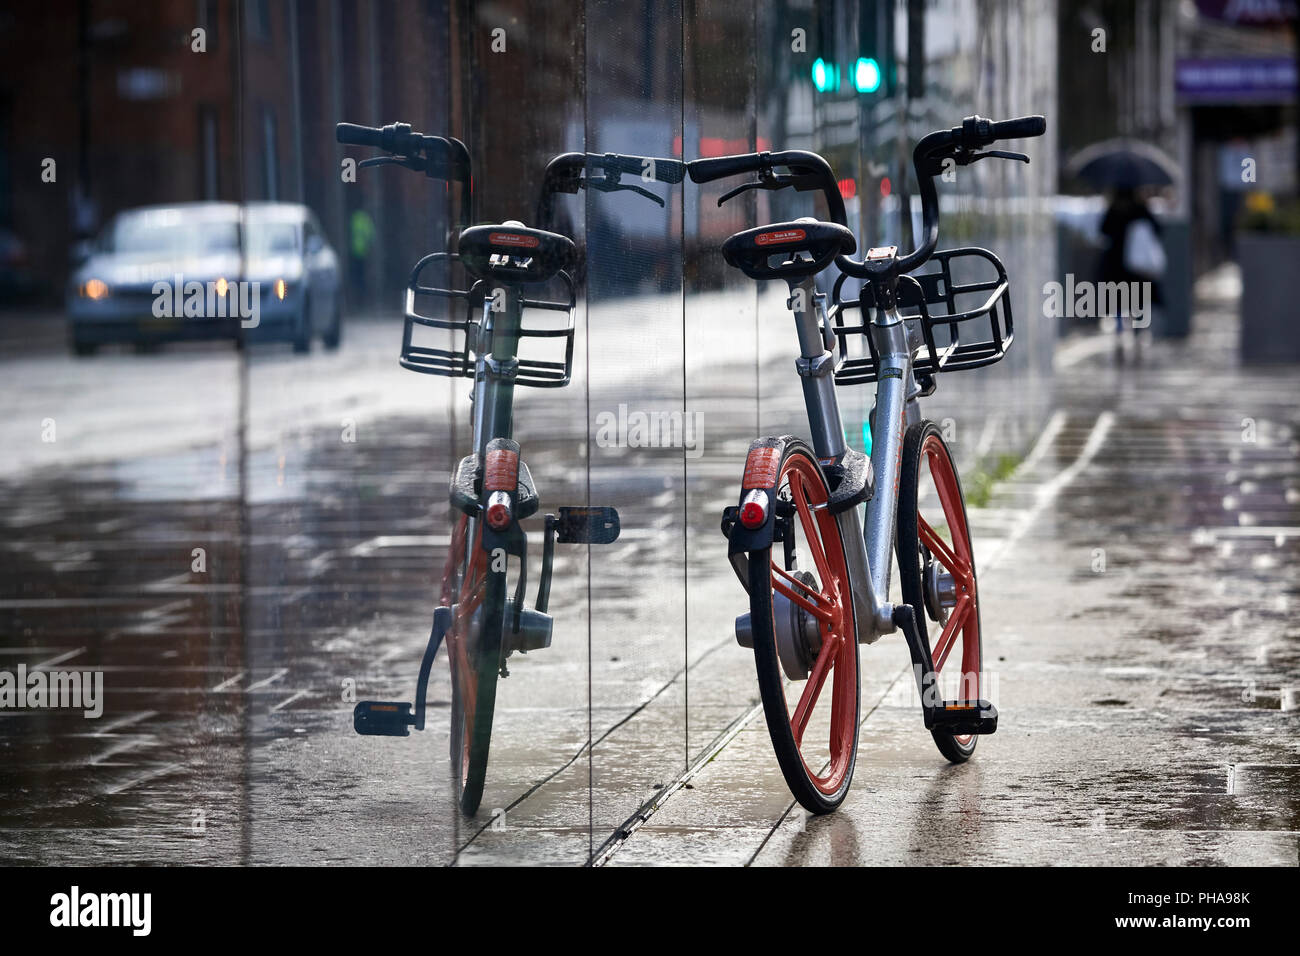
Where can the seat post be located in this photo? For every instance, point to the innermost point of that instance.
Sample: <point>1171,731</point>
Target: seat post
<point>502,312</point>
<point>803,304</point>
<point>816,367</point>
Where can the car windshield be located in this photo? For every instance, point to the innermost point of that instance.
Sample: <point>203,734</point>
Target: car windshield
<point>272,238</point>
<point>172,231</point>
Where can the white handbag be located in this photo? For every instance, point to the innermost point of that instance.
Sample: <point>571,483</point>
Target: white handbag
<point>1143,253</point>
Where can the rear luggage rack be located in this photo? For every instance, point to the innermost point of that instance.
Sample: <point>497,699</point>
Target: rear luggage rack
<point>951,352</point>
<point>471,337</point>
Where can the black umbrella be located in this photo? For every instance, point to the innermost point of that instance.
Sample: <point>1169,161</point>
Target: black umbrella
<point>1123,163</point>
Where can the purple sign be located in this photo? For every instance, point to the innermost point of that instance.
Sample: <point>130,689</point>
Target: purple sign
<point>1236,79</point>
<point>1254,13</point>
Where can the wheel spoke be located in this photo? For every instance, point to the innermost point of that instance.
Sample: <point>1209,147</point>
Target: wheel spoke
<point>822,612</point>
<point>813,688</point>
<point>939,548</point>
<point>810,531</point>
<point>819,611</point>
<point>955,623</point>
<point>954,510</point>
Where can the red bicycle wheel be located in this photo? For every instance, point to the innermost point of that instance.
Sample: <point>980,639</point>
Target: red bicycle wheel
<point>801,617</point>
<point>474,651</point>
<point>937,573</point>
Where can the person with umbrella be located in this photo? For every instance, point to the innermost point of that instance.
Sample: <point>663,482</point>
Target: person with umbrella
<point>1132,250</point>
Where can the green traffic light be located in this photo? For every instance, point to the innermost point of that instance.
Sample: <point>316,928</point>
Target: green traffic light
<point>866,75</point>
<point>823,75</point>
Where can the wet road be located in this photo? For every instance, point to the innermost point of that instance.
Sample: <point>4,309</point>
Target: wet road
<point>1142,687</point>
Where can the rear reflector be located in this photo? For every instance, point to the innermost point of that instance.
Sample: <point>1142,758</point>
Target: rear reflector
<point>498,511</point>
<point>753,509</point>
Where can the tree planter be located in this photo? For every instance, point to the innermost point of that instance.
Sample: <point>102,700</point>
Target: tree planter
<point>1270,297</point>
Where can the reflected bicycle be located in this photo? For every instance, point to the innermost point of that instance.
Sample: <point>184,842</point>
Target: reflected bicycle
<point>492,490</point>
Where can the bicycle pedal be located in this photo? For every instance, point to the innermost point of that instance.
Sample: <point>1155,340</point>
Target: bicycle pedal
<point>963,717</point>
<point>382,718</point>
<point>587,526</point>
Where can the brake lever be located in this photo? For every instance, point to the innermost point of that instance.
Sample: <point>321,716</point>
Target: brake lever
<point>965,158</point>
<point>802,183</point>
<point>743,187</point>
<point>409,162</point>
<point>613,186</point>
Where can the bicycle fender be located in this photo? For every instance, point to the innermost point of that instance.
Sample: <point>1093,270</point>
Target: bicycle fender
<point>762,472</point>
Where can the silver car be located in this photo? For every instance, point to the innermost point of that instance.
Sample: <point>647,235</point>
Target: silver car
<point>260,271</point>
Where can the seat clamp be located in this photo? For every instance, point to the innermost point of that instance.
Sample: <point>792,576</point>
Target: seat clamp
<point>818,367</point>
<point>504,370</point>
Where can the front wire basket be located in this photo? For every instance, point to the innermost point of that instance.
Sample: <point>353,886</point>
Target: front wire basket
<point>950,352</point>
<point>456,362</point>
<point>472,337</point>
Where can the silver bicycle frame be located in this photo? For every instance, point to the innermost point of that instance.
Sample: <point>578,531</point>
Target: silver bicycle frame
<point>869,551</point>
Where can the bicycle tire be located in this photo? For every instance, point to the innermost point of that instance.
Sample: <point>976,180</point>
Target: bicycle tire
<point>925,438</point>
<point>817,793</point>
<point>471,728</point>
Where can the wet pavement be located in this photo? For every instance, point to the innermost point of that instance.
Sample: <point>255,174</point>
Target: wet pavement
<point>1139,584</point>
<point>1137,572</point>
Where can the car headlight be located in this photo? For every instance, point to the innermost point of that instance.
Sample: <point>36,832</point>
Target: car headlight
<point>94,289</point>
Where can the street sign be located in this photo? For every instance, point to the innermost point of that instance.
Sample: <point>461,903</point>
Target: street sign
<point>1235,79</point>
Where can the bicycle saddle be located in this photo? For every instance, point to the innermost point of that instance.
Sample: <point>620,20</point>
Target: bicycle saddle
<point>512,253</point>
<point>804,247</point>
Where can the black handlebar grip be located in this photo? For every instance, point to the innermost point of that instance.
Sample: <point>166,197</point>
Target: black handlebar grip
<point>358,135</point>
<point>665,170</point>
<point>1019,128</point>
<point>671,171</point>
<point>707,170</point>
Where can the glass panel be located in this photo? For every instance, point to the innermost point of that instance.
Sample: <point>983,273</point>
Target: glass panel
<point>520,105</point>
<point>636,415</point>
<point>349,453</point>
<point>122,466</point>
<point>996,205</point>
<point>722,355</point>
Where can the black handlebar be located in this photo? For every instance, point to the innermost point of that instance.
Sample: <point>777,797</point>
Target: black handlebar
<point>662,170</point>
<point>707,170</point>
<point>808,171</point>
<point>569,172</point>
<point>960,145</point>
<point>438,157</point>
